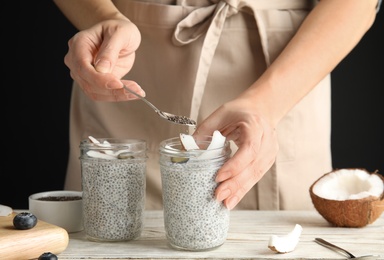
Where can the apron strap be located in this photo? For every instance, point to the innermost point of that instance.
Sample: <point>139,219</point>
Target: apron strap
<point>209,21</point>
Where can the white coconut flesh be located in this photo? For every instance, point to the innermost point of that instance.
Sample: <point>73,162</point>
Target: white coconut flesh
<point>106,153</point>
<point>218,141</point>
<point>188,142</point>
<point>349,184</point>
<point>286,243</point>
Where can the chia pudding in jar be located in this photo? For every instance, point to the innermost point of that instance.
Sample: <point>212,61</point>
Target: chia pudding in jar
<point>113,183</point>
<point>194,220</point>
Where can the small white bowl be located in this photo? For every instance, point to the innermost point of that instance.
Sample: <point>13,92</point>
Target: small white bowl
<point>67,214</point>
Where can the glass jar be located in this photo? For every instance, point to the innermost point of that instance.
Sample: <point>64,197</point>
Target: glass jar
<point>193,219</point>
<point>113,183</point>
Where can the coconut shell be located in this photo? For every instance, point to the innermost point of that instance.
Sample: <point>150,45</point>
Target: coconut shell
<point>349,213</point>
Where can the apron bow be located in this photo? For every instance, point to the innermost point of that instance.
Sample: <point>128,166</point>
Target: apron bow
<point>198,22</point>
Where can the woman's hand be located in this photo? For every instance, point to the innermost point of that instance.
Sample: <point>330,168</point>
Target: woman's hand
<point>257,148</point>
<point>101,55</point>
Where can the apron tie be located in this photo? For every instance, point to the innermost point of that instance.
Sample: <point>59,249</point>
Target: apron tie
<point>208,20</point>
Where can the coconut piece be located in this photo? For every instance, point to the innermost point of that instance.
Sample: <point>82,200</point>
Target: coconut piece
<point>349,197</point>
<point>104,144</point>
<point>96,154</point>
<point>285,243</point>
<point>188,142</point>
<point>120,154</point>
<point>218,141</point>
<point>5,210</point>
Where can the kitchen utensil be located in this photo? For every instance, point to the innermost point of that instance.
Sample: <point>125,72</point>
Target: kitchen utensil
<point>30,244</point>
<point>183,120</point>
<point>341,250</point>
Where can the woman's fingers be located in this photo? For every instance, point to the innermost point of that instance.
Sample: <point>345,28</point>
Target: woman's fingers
<point>248,165</point>
<point>100,56</point>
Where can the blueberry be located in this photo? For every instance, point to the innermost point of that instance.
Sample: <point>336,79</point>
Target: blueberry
<point>47,256</point>
<point>24,220</point>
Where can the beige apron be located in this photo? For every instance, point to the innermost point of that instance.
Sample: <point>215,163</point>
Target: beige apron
<point>191,60</point>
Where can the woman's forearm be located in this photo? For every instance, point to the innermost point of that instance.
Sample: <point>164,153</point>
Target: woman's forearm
<point>327,35</point>
<point>85,13</point>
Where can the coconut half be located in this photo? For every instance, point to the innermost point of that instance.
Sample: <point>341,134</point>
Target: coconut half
<point>349,197</point>
<point>285,243</point>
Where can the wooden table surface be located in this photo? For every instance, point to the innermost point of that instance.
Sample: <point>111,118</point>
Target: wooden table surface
<point>248,238</point>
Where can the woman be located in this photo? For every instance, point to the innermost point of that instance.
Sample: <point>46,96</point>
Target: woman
<point>256,70</point>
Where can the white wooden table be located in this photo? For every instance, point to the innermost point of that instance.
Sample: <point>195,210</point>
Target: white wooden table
<point>247,239</point>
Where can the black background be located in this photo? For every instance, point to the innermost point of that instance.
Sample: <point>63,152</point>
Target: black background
<point>36,104</point>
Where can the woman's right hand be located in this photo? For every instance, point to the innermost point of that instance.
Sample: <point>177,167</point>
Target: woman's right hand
<point>242,121</point>
<point>101,55</point>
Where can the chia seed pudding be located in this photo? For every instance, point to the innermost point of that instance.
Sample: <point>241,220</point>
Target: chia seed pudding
<point>194,220</point>
<point>113,188</point>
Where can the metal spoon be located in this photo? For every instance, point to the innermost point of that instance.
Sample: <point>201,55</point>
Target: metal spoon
<point>182,120</point>
<point>342,250</point>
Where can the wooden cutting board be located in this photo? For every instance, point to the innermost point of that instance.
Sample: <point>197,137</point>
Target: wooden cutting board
<point>31,243</point>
